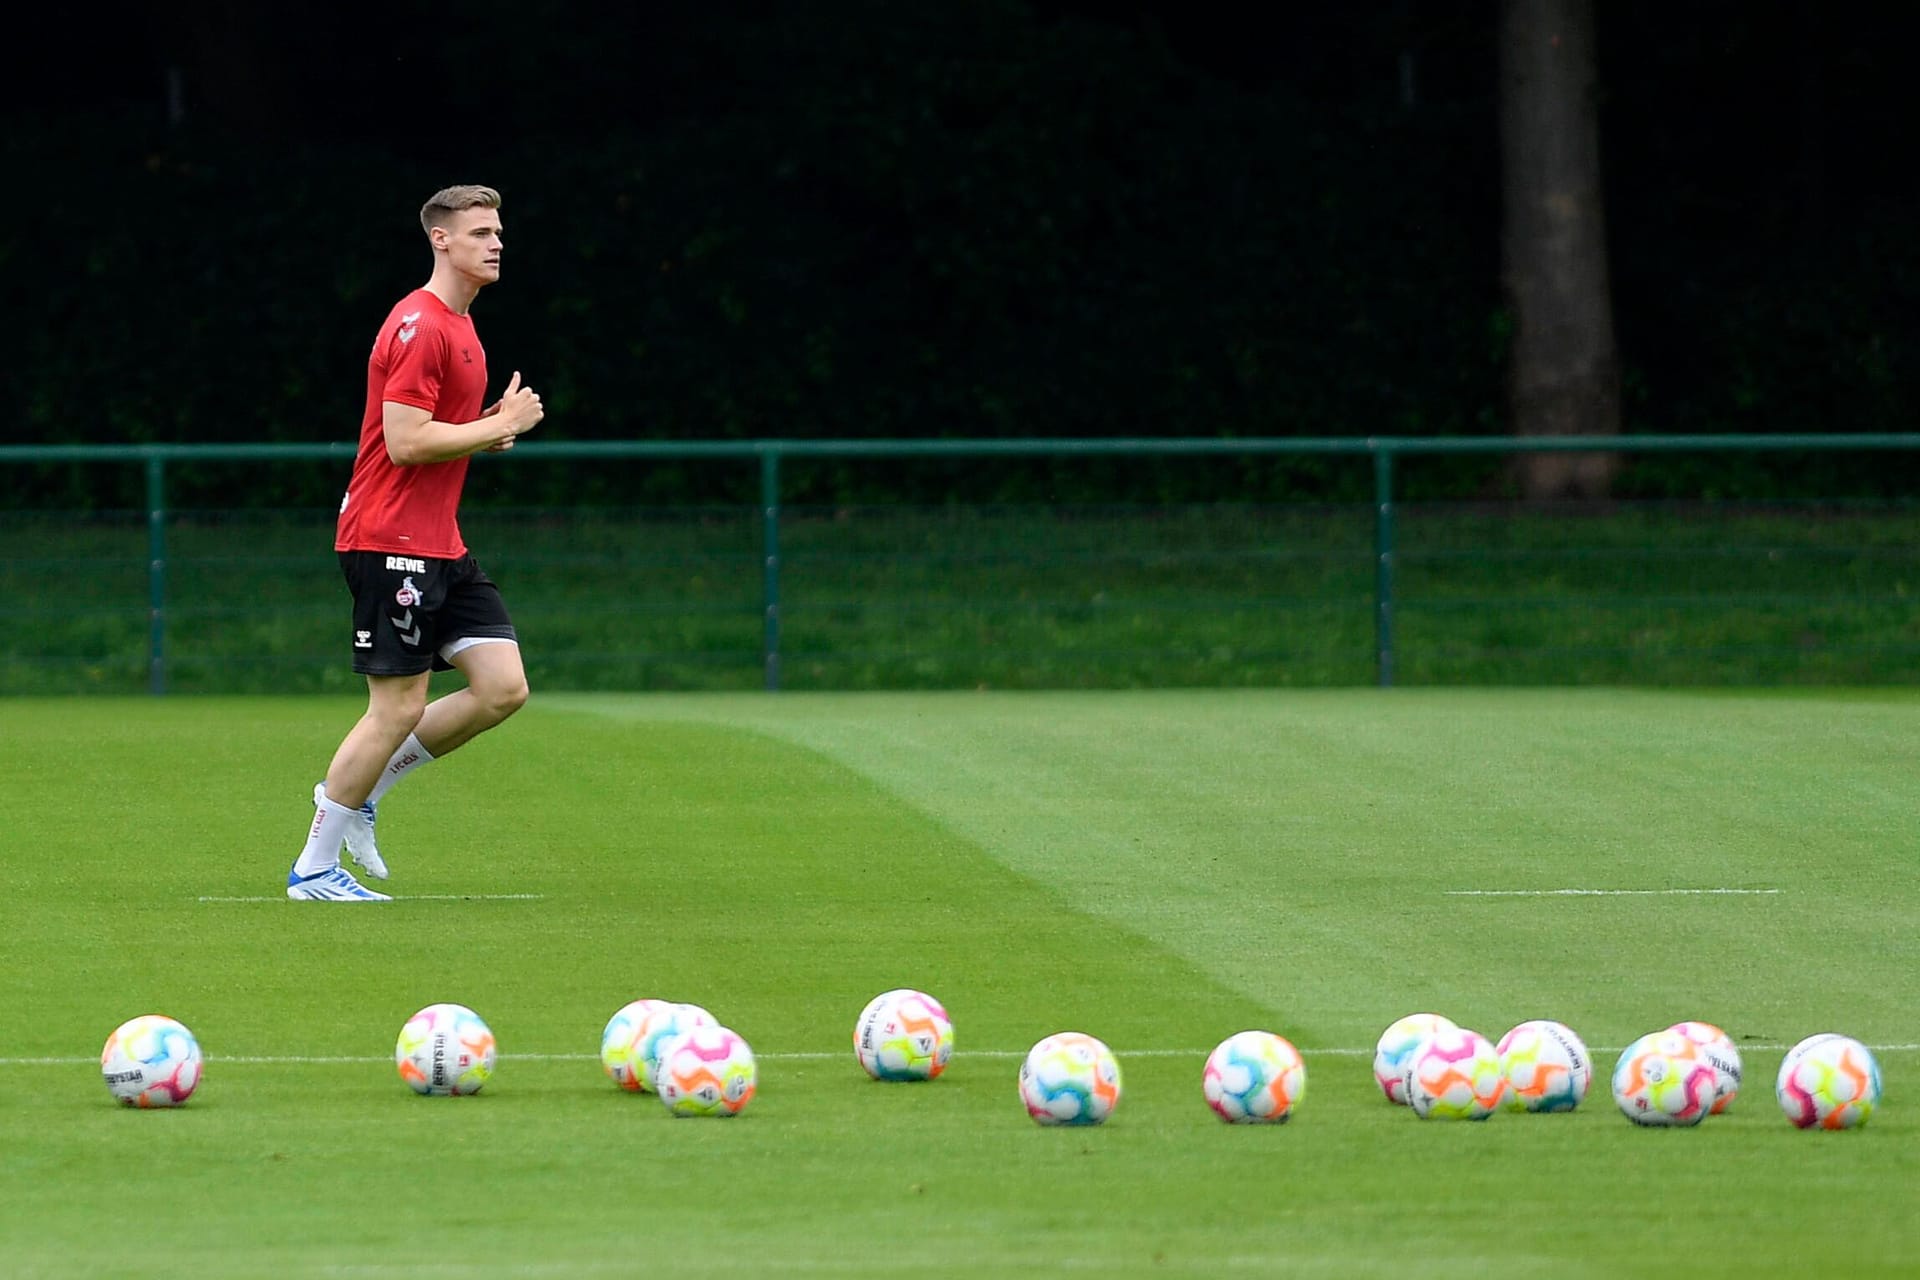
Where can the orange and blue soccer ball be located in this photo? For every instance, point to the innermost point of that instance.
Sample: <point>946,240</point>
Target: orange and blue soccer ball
<point>1397,1042</point>
<point>1254,1077</point>
<point>1070,1078</point>
<point>1454,1074</point>
<point>1828,1081</point>
<point>445,1050</point>
<point>1662,1079</point>
<point>706,1071</point>
<point>1546,1065</point>
<point>903,1035</point>
<point>151,1061</point>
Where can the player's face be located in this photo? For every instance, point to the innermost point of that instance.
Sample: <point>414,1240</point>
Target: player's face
<point>473,244</point>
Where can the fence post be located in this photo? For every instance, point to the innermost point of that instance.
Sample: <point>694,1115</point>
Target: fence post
<point>770,564</point>
<point>1383,562</point>
<point>156,574</point>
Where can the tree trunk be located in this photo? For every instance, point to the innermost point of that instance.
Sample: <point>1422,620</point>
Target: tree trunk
<point>1564,377</point>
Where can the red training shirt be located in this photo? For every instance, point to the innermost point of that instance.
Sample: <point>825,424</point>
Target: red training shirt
<point>430,358</point>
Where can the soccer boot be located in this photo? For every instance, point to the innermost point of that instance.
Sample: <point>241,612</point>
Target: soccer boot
<point>335,884</point>
<point>361,846</point>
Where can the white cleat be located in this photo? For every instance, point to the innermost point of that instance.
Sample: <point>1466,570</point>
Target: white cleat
<point>361,846</point>
<point>335,884</point>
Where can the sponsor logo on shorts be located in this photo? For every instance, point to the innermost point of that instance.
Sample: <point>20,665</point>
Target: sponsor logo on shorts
<point>406,564</point>
<point>363,639</point>
<point>408,595</point>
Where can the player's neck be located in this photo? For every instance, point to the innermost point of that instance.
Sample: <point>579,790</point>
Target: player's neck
<point>453,289</point>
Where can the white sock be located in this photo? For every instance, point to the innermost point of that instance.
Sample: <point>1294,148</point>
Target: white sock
<point>329,829</point>
<point>409,757</point>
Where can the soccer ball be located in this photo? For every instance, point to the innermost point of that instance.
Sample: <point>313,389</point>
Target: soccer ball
<point>1546,1065</point>
<point>648,1035</point>
<point>151,1061</point>
<point>1396,1042</point>
<point>1255,1077</point>
<point>1828,1081</point>
<point>1454,1074</point>
<point>1717,1047</point>
<point>903,1035</point>
<point>705,1071</point>
<point>1070,1078</point>
<point>445,1049</point>
<point>616,1043</point>
<point>1661,1079</point>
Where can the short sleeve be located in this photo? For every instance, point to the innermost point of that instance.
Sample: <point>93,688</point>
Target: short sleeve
<point>416,364</point>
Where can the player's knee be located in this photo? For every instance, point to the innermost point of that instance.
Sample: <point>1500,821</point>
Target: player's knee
<point>506,697</point>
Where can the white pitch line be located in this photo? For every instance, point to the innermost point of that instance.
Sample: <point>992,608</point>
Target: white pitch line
<point>403,897</point>
<point>1601,893</point>
<point>295,1060</point>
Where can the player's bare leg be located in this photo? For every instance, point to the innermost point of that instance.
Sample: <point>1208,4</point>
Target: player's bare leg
<point>394,706</point>
<point>496,688</point>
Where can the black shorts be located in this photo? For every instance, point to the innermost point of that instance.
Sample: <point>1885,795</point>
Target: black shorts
<point>407,609</point>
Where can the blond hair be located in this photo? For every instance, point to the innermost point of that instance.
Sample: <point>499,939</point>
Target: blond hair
<point>440,208</point>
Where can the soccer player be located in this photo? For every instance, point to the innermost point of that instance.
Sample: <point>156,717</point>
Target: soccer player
<point>420,603</point>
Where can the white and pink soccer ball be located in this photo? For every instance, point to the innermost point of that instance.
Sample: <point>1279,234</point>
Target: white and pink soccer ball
<point>1662,1079</point>
<point>1397,1042</point>
<point>706,1071</point>
<point>1454,1074</point>
<point>1717,1047</point>
<point>151,1061</point>
<point>1828,1081</point>
<point>903,1034</point>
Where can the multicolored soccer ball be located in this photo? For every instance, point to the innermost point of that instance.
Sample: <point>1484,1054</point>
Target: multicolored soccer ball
<point>630,1047</point>
<point>1828,1081</point>
<point>445,1050</point>
<point>1661,1079</point>
<point>151,1061</point>
<point>1070,1078</point>
<point>1254,1077</point>
<point>1546,1065</point>
<point>1454,1074</point>
<point>705,1071</point>
<point>903,1035</point>
<point>1396,1042</point>
<point>617,1043</point>
<point>1717,1047</point>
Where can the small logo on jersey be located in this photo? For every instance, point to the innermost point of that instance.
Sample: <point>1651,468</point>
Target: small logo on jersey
<point>466,354</point>
<point>407,326</point>
<point>407,596</point>
<point>363,639</point>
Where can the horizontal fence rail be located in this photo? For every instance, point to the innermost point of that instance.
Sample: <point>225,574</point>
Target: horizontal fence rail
<point>768,455</point>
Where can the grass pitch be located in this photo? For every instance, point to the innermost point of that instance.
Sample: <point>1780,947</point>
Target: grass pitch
<point>1160,869</point>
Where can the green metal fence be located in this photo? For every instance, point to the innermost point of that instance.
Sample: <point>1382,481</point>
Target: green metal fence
<point>1383,454</point>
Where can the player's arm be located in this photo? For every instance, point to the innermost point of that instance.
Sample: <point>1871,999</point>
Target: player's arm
<point>413,437</point>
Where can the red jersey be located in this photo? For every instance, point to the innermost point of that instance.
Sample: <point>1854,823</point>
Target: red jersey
<point>430,358</point>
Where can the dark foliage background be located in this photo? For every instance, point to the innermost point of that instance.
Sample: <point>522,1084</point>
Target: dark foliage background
<point>995,218</point>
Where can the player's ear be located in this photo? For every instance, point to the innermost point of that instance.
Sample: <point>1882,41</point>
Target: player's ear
<point>437,237</point>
